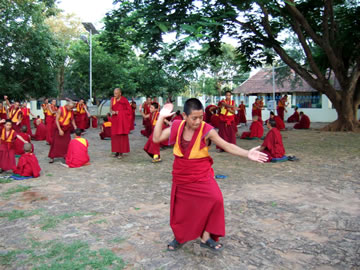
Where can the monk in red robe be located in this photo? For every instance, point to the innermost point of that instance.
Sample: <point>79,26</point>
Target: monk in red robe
<point>281,107</point>
<point>105,129</point>
<point>177,116</point>
<point>153,149</point>
<point>295,117</point>
<point>260,106</point>
<point>241,115</point>
<point>14,114</point>
<point>256,129</point>
<point>145,111</point>
<point>44,107</point>
<point>40,134</point>
<point>77,154</point>
<point>7,152</point>
<point>273,146</point>
<point>81,115</point>
<point>120,123</point>
<point>280,125</point>
<point>227,118</point>
<point>50,121</point>
<point>215,118</point>
<point>209,112</point>
<point>19,144</point>
<point>62,132</point>
<point>304,122</point>
<point>196,206</point>
<point>254,110</point>
<point>3,112</point>
<point>133,108</point>
<point>28,164</point>
<point>26,112</point>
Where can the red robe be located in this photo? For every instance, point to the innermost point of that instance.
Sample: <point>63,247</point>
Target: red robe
<point>94,121</point>
<point>215,120</point>
<point>241,116</point>
<point>281,108</point>
<point>50,124</point>
<point>146,121</point>
<point>3,114</point>
<point>133,109</point>
<point>196,200</point>
<point>150,147</point>
<point>60,144</point>
<point>19,145</point>
<point>295,117</point>
<point>81,118</point>
<point>28,165</point>
<point>14,116</point>
<point>106,133</point>
<point>274,147</point>
<point>208,113</point>
<point>40,134</point>
<point>7,153</point>
<point>280,125</point>
<point>304,123</point>
<point>77,154</point>
<point>26,120</point>
<point>256,131</point>
<point>177,117</point>
<point>120,125</point>
<point>227,129</point>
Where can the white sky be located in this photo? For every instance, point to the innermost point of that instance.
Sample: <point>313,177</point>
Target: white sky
<point>87,10</point>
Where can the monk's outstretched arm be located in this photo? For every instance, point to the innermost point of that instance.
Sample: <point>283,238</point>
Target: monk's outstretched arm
<point>252,154</point>
<point>160,134</point>
<point>21,139</point>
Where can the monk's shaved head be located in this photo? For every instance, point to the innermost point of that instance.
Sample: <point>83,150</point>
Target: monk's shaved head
<point>192,104</point>
<point>27,147</point>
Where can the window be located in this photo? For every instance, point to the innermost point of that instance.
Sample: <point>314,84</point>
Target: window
<point>308,100</point>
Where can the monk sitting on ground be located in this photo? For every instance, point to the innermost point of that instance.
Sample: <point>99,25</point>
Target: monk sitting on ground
<point>19,144</point>
<point>40,134</point>
<point>273,145</point>
<point>295,117</point>
<point>105,129</point>
<point>177,116</point>
<point>280,125</point>
<point>28,164</point>
<point>304,122</point>
<point>256,129</point>
<point>77,153</point>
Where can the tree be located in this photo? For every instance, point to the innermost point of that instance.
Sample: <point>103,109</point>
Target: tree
<point>27,45</point>
<point>325,30</point>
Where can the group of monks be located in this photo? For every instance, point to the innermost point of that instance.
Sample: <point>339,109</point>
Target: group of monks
<point>193,177</point>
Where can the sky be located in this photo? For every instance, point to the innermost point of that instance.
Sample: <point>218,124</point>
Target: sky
<point>87,10</point>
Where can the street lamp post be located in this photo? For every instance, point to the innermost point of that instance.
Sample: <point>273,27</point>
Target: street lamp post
<point>92,30</point>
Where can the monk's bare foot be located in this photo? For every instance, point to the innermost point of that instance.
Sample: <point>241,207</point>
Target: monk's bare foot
<point>51,160</point>
<point>120,156</point>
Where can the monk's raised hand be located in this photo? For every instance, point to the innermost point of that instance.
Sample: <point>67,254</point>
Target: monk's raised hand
<point>166,111</point>
<point>255,155</point>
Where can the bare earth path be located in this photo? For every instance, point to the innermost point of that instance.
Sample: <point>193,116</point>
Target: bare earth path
<point>292,215</point>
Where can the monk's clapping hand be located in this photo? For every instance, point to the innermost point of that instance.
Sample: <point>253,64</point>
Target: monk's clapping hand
<point>166,111</point>
<point>255,155</point>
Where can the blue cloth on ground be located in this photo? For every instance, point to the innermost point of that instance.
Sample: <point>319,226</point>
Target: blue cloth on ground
<point>282,159</point>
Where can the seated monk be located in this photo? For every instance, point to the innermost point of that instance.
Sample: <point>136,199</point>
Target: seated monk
<point>77,153</point>
<point>40,134</point>
<point>19,144</point>
<point>304,122</point>
<point>215,118</point>
<point>295,117</point>
<point>177,116</point>
<point>256,129</point>
<point>28,164</point>
<point>280,125</point>
<point>105,129</point>
<point>273,145</point>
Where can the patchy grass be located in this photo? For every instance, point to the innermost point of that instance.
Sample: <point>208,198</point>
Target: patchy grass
<point>5,180</point>
<point>16,214</point>
<point>64,256</point>
<point>18,188</point>
<point>50,222</point>
<point>118,240</point>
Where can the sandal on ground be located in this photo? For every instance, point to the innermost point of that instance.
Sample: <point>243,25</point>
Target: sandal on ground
<point>156,160</point>
<point>51,160</point>
<point>211,244</point>
<point>174,245</point>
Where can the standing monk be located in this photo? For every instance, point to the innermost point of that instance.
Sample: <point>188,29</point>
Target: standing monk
<point>26,117</point>
<point>241,115</point>
<point>62,134</point>
<point>281,107</point>
<point>145,110</point>
<point>120,123</point>
<point>133,108</point>
<point>82,115</point>
<point>196,205</point>
<point>44,107</point>
<point>304,122</point>
<point>209,113</point>
<point>3,115</point>
<point>14,114</point>
<point>227,118</point>
<point>50,121</point>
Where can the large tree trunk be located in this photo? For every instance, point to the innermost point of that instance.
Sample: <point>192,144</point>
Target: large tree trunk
<point>347,116</point>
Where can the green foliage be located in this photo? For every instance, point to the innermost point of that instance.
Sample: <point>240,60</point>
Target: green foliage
<point>18,188</point>
<point>27,46</point>
<point>16,214</point>
<point>5,180</point>
<point>63,256</point>
<point>50,222</point>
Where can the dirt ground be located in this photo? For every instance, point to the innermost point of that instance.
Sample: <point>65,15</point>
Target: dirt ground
<point>291,215</point>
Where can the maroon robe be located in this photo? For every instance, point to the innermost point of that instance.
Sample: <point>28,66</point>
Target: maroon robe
<point>241,117</point>
<point>274,147</point>
<point>196,201</point>
<point>106,133</point>
<point>40,134</point>
<point>208,113</point>
<point>19,145</point>
<point>227,129</point>
<point>150,147</point>
<point>77,153</point>
<point>26,120</point>
<point>146,121</point>
<point>28,165</point>
<point>120,125</point>
<point>256,131</point>
<point>304,123</point>
<point>295,117</point>
<point>280,125</point>
<point>7,153</point>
